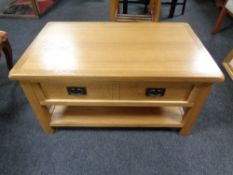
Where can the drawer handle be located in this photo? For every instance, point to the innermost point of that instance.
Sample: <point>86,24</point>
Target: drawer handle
<point>155,92</point>
<point>77,91</point>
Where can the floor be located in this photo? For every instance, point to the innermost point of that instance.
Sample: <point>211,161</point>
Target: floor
<point>26,150</point>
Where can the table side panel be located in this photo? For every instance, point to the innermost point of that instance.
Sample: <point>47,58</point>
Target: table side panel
<point>115,94</point>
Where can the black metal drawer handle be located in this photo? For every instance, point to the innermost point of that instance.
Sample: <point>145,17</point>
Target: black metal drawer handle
<point>77,91</point>
<point>155,92</point>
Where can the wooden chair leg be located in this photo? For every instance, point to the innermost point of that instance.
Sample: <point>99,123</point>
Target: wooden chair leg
<point>154,9</point>
<point>219,20</point>
<point>8,54</point>
<point>184,5</point>
<point>114,4</point>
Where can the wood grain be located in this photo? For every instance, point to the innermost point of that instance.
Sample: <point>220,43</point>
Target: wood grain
<point>95,90</point>
<point>227,65</point>
<point>42,113</point>
<point>168,52</point>
<point>116,62</point>
<point>136,91</point>
<point>116,117</point>
<point>135,103</point>
<point>192,114</point>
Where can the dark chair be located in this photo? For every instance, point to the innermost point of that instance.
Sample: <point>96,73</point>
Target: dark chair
<point>6,48</point>
<point>172,3</point>
<point>226,7</point>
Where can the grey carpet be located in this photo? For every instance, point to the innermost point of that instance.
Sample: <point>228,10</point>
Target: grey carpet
<point>26,150</point>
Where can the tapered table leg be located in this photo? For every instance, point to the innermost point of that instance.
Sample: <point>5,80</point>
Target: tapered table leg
<point>42,113</point>
<point>191,115</point>
<point>114,4</point>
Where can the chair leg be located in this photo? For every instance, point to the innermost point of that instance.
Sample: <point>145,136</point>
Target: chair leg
<point>8,54</point>
<point>172,9</point>
<point>146,6</point>
<point>184,5</point>
<point>219,20</point>
<point>125,6</point>
<point>114,4</point>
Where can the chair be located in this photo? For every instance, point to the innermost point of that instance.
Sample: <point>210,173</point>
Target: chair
<point>153,14</point>
<point>126,2</point>
<point>227,7</point>
<point>228,64</point>
<point>172,3</point>
<point>6,48</point>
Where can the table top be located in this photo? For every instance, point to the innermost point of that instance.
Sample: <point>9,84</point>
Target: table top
<point>147,51</point>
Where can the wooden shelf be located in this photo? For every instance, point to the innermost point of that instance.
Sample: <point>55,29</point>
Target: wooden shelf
<point>229,69</point>
<point>133,18</point>
<point>138,103</point>
<point>63,116</point>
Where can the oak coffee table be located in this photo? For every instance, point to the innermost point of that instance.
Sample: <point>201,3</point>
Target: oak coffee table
<point>116,75</point>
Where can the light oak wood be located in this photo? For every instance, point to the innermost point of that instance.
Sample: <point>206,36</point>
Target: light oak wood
<point>228,64</point>
<point>136,91</point>
<point>136,103</point>
<point>113,9</point>
<point>115,91</point>
<point>116,117</point>
<point>41,112</point>
<point>153,14</point>
<point>155,9</point>
<point>95,90</point>
<point>133,18</point>
<point>38,91</point>
<point>192,114</point>
<point>117,62</point>
<point>117,51</point>
<point>118,91</point>
<point>194,93</point>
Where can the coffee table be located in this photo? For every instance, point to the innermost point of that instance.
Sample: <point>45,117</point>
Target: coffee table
<point>101,74</point>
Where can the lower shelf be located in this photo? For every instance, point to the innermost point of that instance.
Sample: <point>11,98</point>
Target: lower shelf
<point>70,116</point>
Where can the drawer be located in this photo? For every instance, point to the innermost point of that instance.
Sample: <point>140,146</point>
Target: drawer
<point>154,91</point>
<point>77,90</point>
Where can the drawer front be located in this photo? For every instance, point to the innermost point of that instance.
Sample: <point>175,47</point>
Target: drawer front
<point>77,90</point>
<point>154,91</point>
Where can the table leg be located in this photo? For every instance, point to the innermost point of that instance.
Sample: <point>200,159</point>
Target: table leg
<point>172,9</point>
<point>125,6</point>
<point>42,113</point>
<point>113,9</point>
<point>192,113</point>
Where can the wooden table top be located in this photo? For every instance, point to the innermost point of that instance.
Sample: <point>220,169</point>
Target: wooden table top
<point>147,51</point>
